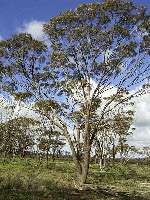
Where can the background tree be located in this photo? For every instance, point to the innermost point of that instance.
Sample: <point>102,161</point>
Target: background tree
<point>102,143</point>
<point>122,127</point>
<point>131,151</point>
<point>146,150</point>
<point>17,136</point>
<point>115,129</point>
<point>97,48</point>
<point>50,142</point>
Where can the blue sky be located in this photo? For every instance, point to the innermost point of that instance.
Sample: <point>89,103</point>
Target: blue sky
<point>15,15</point>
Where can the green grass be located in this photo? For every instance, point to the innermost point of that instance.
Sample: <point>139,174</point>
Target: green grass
<point>26,180</point>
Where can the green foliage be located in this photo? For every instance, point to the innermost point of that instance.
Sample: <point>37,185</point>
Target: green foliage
<point>46,105</point>
<point>24,57</point>
<point>16,135</point>
<point>50,140</point>
<point>22,95</point>
<point>146,151</point>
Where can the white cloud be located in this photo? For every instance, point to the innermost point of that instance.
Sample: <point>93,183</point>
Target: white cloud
<point>35,28</point>
<point>106,92</point>
<point>20,109</point>
<point>141,135</point>
<point>142,114</point>
<point>1,38</point>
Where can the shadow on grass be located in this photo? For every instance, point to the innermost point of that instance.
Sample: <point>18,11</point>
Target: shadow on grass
<point>122,195</point>
<point>54,192</point>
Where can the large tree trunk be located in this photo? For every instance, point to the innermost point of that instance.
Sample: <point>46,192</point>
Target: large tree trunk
<point>4,158</point>
<point>78,166</point>
<point>14,155</point>
<point>101,163</point>
<point>114,153</point>
<point>121,153</point>
<point>87,148</point>
<point>85,168</point>
<point>76,159</point>
<point>47,158</point>
<point>82,171</point>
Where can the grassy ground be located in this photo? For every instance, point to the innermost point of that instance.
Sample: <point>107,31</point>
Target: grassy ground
<point>24,180</point>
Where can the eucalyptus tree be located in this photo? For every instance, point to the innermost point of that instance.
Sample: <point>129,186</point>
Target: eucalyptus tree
<point>50,141</point>
<point>16,135</point>
<point>146,151</point>
<point>24,129</point>
<point>96,49</point>
<point>115,130</point>
<point>102,142</point>
<point>122,127</point>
